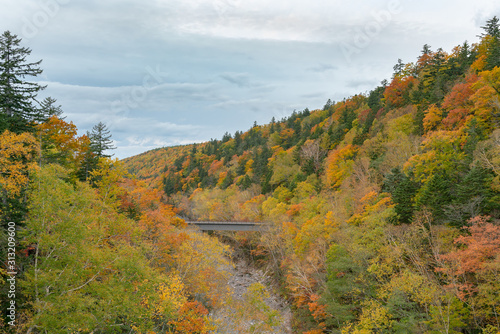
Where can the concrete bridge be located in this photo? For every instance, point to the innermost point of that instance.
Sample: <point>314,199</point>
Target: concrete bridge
<point>227,226</point>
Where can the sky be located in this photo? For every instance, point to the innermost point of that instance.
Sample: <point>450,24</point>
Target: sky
<point>170,72</point>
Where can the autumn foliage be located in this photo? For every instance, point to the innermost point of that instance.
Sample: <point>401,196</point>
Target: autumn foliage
<point>381,215</point>
<point>375,205</point>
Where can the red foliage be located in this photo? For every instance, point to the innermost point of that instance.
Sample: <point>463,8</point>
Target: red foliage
<point>482,246</point>
<point>478,258</point>
<point>363,115</point>
<point>397,93</point>
<point>458,103</point>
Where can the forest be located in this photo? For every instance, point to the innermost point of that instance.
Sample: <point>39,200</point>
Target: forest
<point>383,210</point>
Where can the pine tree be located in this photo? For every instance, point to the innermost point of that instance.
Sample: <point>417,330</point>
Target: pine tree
<point>17,110</point>
<point>492,28</point>
<point>492,33</point>
<point>436,195</point>
<point>100,140</point>
<point>49,108</point>
<point>403,190</point>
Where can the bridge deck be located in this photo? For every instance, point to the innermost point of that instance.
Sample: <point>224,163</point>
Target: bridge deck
<point>226,226</point>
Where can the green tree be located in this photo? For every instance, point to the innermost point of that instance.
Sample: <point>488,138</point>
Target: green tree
<point>436,194</point>
<point>492,35</point>
<point>49,107</point>
<point>345,287</point>
<point>87,273</point>
<point>403,190</point>
<point>17,110</point>
<point>474,196</point>
<point>100,140</point>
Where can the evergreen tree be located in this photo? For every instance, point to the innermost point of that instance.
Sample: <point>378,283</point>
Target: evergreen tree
<point>375,98</point>
<point>399,67</point>
<point>17,111</point>
<point>49,108</point>
<point>272,129</point>
<point>227,136</point>
<point>228,180</point>
<point>245,182</point>
<point>403,190</point>
<point>492,32</point>
<point>328,104</point>
<point>426,49</point>
<point>100,140</point>
<point>436,195</point>
<point>474,196</point>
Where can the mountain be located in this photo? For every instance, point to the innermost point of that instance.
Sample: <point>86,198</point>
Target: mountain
<point>383,208</point>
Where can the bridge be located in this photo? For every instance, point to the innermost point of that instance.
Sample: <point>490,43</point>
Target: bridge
<point>227,226</point>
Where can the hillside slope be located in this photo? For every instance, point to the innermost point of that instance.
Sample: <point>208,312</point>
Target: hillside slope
<point>384,207</point>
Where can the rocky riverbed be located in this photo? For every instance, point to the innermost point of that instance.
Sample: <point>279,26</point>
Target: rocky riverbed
<point>254,307</point>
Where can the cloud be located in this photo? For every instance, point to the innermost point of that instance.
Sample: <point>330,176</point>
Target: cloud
<point>362,84</point>
<point>238,79</point>
<point>321,68</point>
<point>222,63</point>
<point>313,95</point>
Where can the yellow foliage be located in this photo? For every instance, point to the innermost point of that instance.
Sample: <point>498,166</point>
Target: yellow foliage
<point>433,117</point>
<point>274,210</point>
<point>376,209</point>
<point>173,291</point>
<point>402,125</point>
<point>369,197</point>
<point>248,166</point>
<point>486,99</point>
<point>202,263</point>
<point>282,194</point>
<point>17,161</point>
<point>339,165</point>
<point>442,151</point>
<point>374,318</point>
<point>479,64</point>
<point>416,287</point>
<point>107,177</point>
<point>331,221</point>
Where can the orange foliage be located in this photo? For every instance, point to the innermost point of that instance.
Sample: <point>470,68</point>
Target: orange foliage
<point>60,143</point>
<point>458,104</point>
<point>339,165</point>
<point>192,319</point>
<point>483,246</point>
<point>286,134</point>
<point>156,219</point>
<point>215,167</point>
<point>433,117</point>
<point>314,331</point>
<point>424,60</point>
<point>294,209</point>
<point>473,270</point>
<point>396,94</point>
<point>318,310</point>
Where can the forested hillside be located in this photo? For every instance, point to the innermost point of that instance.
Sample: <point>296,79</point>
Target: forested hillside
<point>83,248</point>
<point>382,211</point>
<point>384,208</point>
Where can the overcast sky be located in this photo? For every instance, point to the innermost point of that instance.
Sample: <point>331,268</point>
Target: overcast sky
<point>169,72</point>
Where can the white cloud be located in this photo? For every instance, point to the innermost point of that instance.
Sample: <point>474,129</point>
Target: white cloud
<point>224,63</point>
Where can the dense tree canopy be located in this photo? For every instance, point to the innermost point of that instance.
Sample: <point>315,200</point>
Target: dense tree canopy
<point>378,205</point>
<point>382,210</point>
